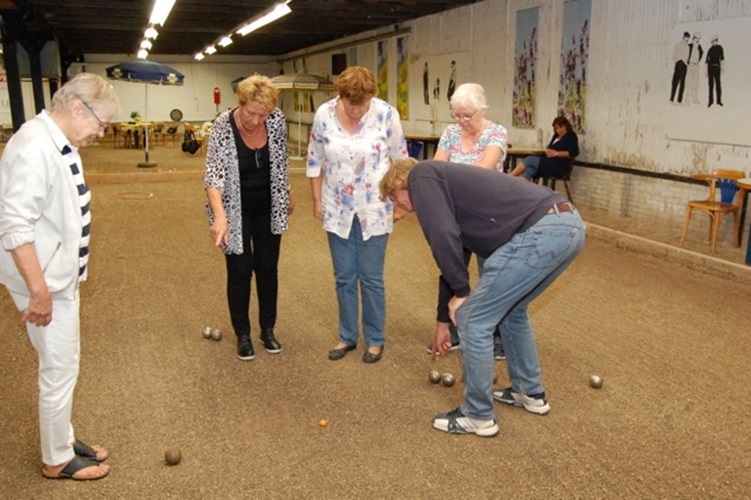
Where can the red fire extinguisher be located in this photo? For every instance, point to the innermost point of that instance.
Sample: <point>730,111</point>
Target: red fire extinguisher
<point>217,98</point>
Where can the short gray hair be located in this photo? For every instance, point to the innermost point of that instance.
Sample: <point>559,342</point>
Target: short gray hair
<point>470,93</point>
<point>91,89</point>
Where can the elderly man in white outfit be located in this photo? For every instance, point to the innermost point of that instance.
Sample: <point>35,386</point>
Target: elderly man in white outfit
<point>44,232</point>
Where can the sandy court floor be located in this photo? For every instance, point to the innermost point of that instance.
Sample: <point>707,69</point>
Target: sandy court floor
<point>671,343</point>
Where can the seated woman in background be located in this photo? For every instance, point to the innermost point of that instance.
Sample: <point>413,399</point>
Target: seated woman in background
<point>473,140</point>
<point>563,147</point>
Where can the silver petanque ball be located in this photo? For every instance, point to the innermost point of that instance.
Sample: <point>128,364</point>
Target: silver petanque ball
<point>448,379</point>
<point>434,377</point>
<point>206,332</point>
<point>595,381</point>
<point>216,334</point>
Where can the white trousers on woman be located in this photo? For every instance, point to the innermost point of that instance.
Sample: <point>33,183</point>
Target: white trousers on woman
<point>58,346</point>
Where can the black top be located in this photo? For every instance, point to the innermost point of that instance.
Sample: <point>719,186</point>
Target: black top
<point>255,176</point>
<point>558,166</point>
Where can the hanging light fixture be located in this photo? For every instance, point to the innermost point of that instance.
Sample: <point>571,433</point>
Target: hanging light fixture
<point>279,10</point>
<point>159,13</point>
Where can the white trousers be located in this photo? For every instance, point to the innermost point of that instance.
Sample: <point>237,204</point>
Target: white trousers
<point>58,346</point>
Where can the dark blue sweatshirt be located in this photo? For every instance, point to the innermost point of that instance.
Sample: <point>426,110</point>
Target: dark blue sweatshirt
<point>467,208</point>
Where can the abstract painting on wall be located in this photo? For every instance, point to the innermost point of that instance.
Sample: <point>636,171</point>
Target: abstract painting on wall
<point>402,77</point>
<point>525,68</point>
<point>383,71</point>
<point>572,90</point>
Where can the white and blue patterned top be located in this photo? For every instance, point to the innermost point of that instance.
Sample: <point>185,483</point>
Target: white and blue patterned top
<point>492,135</point>
<point>352,166</point>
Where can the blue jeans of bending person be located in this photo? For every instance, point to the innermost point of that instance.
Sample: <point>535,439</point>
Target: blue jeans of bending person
<point>531,166</point>
<point>513,276</point>
<point>358,264</point>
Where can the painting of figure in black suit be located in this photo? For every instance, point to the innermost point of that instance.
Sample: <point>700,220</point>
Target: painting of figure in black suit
<point>680,66</point>
<point>715,67</point>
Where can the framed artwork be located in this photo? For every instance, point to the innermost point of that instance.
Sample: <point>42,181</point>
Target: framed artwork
<point>525,69</point>
<point>383,70</point>
<point>572,92</point>
<point>704,82</point>
<point>402,77</point>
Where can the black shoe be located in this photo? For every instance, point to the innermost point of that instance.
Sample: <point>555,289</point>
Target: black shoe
<point>369,357</point>
<point>269,342</point>
<point>245,348</point>
<point>337,354</point>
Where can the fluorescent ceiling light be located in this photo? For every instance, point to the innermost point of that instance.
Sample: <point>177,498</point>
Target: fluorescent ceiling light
<point>143,54</point>
<point>210,49</point>
<point>146,45</point>
<point>160,11</point>
<point>225,41</point>
<point>199,56</point>
<point>279,10</point>
<point>150,33</point>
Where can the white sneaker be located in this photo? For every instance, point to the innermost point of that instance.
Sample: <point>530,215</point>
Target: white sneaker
<point>455,422</point>
<point>535,403</point>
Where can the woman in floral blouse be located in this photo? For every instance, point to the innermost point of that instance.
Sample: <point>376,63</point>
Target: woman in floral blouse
<point>352,141</point>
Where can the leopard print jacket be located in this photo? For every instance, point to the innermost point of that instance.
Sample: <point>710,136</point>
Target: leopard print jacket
<point>223,173</point>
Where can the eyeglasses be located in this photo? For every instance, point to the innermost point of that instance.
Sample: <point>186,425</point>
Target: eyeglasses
<point>102,126</point>
<point>463,116</point>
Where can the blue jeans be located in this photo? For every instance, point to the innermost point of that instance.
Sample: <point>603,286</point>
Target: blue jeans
<point>359,262</point>
<point>531,166</point>
<point>513,276</point>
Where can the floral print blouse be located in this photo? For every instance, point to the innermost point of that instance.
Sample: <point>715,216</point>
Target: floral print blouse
<point>493,135</point>
<point>352,167</point>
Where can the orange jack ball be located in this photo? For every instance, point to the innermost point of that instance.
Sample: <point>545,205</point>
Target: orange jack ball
<point>323,422</point>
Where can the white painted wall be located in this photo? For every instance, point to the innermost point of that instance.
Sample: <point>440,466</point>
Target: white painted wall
<point>629,73</point>
<point>194,98</point>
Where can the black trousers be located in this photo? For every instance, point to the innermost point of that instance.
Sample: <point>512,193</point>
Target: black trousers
<point>260,255</point>
<point>679,80</point>
<point>713,73</point>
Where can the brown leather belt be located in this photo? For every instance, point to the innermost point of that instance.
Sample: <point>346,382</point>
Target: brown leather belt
<point>564,206</point>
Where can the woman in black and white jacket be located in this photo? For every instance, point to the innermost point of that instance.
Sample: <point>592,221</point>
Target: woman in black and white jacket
<point>249,202</point>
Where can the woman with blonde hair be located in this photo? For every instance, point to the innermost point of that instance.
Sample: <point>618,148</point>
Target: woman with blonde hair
<point>249,203</point>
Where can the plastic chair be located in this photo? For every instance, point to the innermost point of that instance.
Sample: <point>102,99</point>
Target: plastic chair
<point>730,201</point>
<point>414,149</point>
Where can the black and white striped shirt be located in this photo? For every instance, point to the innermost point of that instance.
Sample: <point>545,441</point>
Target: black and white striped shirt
<point>84,195</point>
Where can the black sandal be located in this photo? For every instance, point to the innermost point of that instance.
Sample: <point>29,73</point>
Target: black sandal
<point>74,466</point>
<point>83,450</point>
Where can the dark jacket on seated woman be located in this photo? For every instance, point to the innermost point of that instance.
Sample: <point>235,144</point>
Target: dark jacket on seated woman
<point>558,166</point>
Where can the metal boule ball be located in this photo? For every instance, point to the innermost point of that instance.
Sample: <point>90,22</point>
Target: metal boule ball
<point>448,379</point>
<point>216,334</point>
<point>206,332</point>
<point>595,381</point>
<point>434,376</point>
<point>173,456</point>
